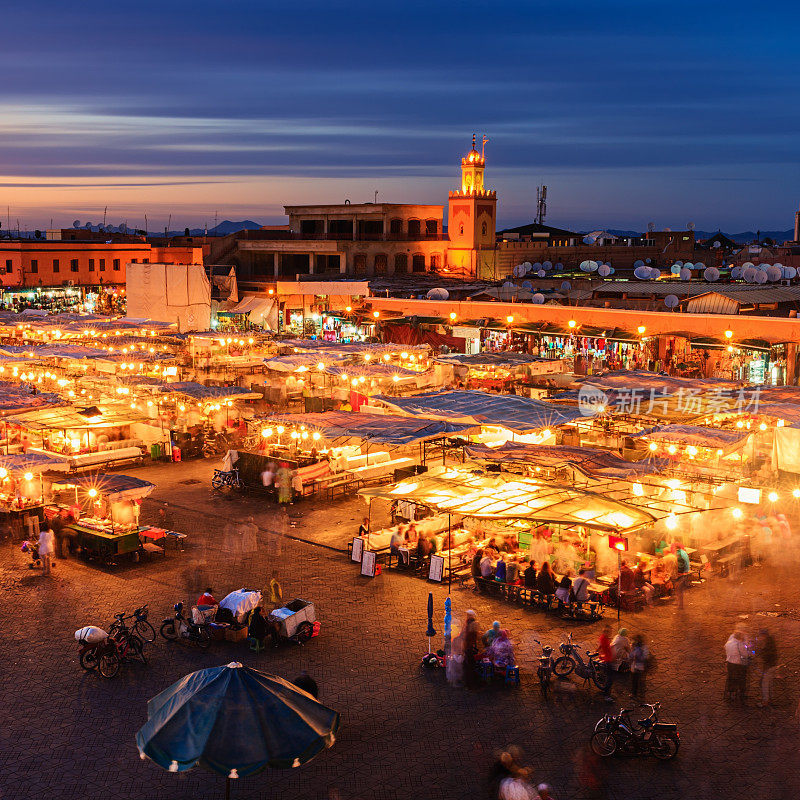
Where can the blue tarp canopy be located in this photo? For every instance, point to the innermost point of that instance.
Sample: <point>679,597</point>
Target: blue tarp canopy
<point>236,721</point>
<point>112,486</point>
<point>697,435</point>
<point>36,463</point>
<point>197,391</point>
<point>642,379</point>
<point>593,463</point>
<point>520,414</point>
<point>75,351</point>
<point>16,398</point>
<point>378,428</point>
<point>490,359</point>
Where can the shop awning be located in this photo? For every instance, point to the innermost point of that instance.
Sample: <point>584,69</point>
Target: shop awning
<point>17,398</point>
<point>378,428</point>
<point>520,414</point>
<point>592,463</point>
<point>111,486</point>
<point>65,417</point>
<point>490,359</point>
<point>197,391</point>
<point>697,435</point>
<point>36,463</point>
<point>472,492</point>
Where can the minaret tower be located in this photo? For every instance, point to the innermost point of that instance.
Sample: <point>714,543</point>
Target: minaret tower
<point>471,215</point>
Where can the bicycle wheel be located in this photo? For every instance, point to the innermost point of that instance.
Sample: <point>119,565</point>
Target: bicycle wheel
<point>664,746</point>
<point>145,631</point>
<point>601,676</point>
<point>604,744</point>
<point>544,683</point>
<point>168,631</point>
<point>563,666</point>
<point>137,649</point>
<point>108,663</point>
<point>216,482</point>
<point>89,659</point>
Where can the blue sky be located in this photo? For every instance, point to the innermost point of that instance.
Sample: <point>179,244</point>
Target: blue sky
<point>630,112</point>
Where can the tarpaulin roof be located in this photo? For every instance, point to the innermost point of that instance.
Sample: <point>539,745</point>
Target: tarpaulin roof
<point>64,417</point>
<point>354,348</point>
<point>197,391</point>
<point>32,462</point>
<point>16,397</point>
<point>114,487</point>
<point>371,371</point>
<point>295,361</point>
<point>521,414</point>
<point>74,351</point>
<point>593,463</point>
<point>490,359</point>
<point>381,428</point>
<point>476,493</point>
<point>642,379</point>
<point>698,435</point>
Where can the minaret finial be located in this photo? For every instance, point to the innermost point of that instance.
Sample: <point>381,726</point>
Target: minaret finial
<point>473,141</point>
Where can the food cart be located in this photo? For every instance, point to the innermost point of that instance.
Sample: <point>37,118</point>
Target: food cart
<point>104,517</point>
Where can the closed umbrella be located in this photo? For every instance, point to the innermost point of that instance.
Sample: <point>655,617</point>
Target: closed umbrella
<point>236,721</point>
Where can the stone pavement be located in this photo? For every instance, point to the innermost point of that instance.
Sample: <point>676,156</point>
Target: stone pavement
<point>405,734</point>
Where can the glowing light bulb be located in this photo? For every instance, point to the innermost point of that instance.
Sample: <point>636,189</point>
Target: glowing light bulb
<point>772,497</point>
<point>653,446</point>
<point>28,476</point>
<point>737,513</point>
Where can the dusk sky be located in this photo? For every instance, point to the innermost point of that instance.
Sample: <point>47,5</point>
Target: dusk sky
<point>628,111</point>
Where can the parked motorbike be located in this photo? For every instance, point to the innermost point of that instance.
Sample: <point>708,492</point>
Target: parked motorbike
<point>180,627</point>
<point>615,733</point>
<point>590,670</point>
<point>97,651</point>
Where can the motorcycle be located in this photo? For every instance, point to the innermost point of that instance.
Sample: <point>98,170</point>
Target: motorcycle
<point>544,670</point>
<point>97,651</point>
<point>615,733</point>
<point>180,627</point>
<point>590,670</point>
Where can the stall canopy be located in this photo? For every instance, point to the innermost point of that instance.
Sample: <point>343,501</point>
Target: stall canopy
<point>378,428</point>
<point>197,391</point>
<point>64,417</point>
<point>488,359</point>
<point>592,463</point>
<point>16,398</point>
<point>19,464</point>
<point>697,435</point>
<point>471,492</point>
<point>519,414</point>
<point>257,309</point>
<point>371,371</point>
<point>111,486</point>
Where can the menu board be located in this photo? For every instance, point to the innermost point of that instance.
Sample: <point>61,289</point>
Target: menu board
<point>368,563</point>
<point>358,549</point>
<point>436,570</point>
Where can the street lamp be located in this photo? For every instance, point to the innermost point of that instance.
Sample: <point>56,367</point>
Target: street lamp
<point>728,334</point>
<point>641,330</point>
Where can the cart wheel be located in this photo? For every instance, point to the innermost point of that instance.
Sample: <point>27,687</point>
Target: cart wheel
<point>304,632</point>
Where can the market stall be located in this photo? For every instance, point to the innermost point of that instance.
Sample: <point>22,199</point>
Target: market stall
<point>23,489</point>
<point>102,513</point>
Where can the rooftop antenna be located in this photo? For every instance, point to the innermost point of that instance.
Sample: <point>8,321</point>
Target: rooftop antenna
<point>145,224</point>
<point>105,211</point>
<point>166,230</point>
<point>216,223</point>
<point>651,226</point>
<point>541,204</point>
<point>483,146</point>
<point>375,202</point>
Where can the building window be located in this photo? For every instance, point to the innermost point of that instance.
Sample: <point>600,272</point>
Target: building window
<point>56,265</point>
<point>102,265</point>
<point>34,265</point>
<point>134,260</point>
<point>9,265</point>
<point>418,263</point>
<point>413,229</point>
<point>73,265</point>
<point>483,229</point>
<point>396,228</point>
<point>401,262</point>
<point>360,263</point>
<point>380,263</point>
<point>431,227</point>
<point>115,265</point>
<point>461,231</point>
<point>435,262</point>
<point>91,265</point>
<point>145,261</point>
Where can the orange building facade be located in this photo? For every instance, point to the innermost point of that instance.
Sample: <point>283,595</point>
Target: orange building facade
<point>33,263</point>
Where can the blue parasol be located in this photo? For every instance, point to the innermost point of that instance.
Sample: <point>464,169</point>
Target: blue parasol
<point>431,630</point>
<point>235,721</point>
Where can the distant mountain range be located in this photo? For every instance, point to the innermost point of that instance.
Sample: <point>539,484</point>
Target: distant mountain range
<point>742,238</point>
<point>223,229</point>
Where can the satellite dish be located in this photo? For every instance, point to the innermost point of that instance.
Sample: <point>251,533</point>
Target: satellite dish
<point>671,300</point>
<point>528,266</point>
<point>748,264</point>
<point>612,270</point>
<point>690,226</point>
<point>604,270</point>
<point>518,271</point>
<point>716,244</point>
<point>538,298</point>
<point>527,285</point>
<point>711,274</point>
<point>761,277</point>
<point>638,263</point>
<point>565,286</point>
<point>675,269</point>
<point>559,267</point>
<point>689,265</point>
<point>642,273</point>
<point>651,226</point>
<point>547,265</point>
<point>774,273</point>
<point>438,294</point>
<point>537,265</point>
<point>686,274</point>
<point>736,272</point>
<point>655,273</point>
<point>76,223</point>
<point>509,286</point>
<point>789,273</point>
<point>749,273</point>
<point>763,267</point>
<point>648,260</point>
<point>699,265</point>
<point>589,239</point>
<point>541,273</point>
<point>680,264</point>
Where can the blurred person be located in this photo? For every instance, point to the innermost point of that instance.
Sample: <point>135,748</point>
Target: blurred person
<point>363,528</point>
<point>530,576</point>
<point>47,549</point>
<point>207,598</point>
<point>621,649</point>
<point>580,587</point>
<point>500,569</point>
<point>640,582</point>
<point>512,570</point>
<point>517,786</point>
<point>486,566</point>
<point>626,581</point>
<point>544,792</point>
<point>640,660</point>
<point>501,651</point>
<point>767,654</point>
<point>736,658</point>
<point>563,590</point>
<point>476,563</point>
<point>546,581</point>
<point>471,650</point>
<point>491,634</point>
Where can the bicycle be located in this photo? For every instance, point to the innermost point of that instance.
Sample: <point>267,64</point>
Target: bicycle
<point>142,628</point>
<point>544,670</point>
<point>125,640</point>
<point>590,670</point>
<point>226,480</point>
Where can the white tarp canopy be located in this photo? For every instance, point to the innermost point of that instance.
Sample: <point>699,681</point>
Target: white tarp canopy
<point>173,292</point>
<point>261,311</point>
<point>786,449</point>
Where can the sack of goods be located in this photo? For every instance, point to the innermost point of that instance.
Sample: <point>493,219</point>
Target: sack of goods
<point>91,635</point>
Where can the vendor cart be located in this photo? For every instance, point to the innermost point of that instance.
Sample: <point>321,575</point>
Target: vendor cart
<point>105,545</point>
<point>296,620</point>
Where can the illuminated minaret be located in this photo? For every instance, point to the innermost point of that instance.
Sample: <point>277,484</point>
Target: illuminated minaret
<point>471,215</point>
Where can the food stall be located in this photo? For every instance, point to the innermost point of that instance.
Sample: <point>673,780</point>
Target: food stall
<point>22,489</point>
<point>103,514</point>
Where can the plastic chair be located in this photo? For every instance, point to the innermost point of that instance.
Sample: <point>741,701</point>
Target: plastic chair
<point>512,676</point>
<point>485,670</point>
<point>255,645</point>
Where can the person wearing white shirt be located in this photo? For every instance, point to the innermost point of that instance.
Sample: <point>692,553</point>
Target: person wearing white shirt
<point>737,656</point>
<point>47,549</point>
